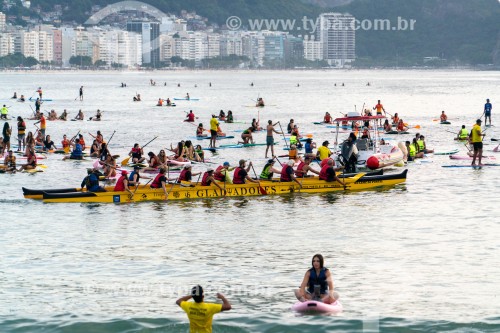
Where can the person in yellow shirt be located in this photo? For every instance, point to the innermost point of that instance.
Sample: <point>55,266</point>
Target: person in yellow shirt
<point>200,314</point>
<point>214,124</point>
<point>323,151</point>
<point>476,138</point>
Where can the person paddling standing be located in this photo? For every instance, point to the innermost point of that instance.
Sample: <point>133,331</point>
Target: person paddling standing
<point>269,137</point>
<point>487,111</point>
<point>476,138</point>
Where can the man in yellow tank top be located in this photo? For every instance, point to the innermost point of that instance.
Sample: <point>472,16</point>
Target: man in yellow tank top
<point>476,138</point>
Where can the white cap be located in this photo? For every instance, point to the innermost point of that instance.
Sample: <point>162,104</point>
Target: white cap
<point>291,162</point>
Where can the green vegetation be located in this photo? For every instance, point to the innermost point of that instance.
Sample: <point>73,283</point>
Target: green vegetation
<point>82,61</point>
<point>17,60</point>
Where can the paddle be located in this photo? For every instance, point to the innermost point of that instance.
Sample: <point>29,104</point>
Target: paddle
<point>172,187</point>
<point>125,161</point>
<point>262,190</point>
<point>283,133</point>
<point>110,138</point>
<point>470,151</point>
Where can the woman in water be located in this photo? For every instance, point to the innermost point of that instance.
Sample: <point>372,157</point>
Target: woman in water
<point>317,283</point>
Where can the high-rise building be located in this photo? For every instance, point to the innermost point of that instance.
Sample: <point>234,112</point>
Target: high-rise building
<point>30,44</point>
<point>6,44</point>
<point>231,44</point>
<point>313,49</point>
<point>46,46</point>
<point>120,47</point>
<point>150,32</point>
<point>274,45</point>
<point>338,35</point>
<point>3,23</point>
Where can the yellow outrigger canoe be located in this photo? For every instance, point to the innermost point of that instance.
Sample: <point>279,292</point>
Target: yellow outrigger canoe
<point>358,182</point>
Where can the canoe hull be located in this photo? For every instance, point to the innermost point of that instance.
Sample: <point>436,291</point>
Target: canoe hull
<point>180,192</point>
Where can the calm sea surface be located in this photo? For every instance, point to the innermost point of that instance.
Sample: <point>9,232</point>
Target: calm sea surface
<point>422,256</point>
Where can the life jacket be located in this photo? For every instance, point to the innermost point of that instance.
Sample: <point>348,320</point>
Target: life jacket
<point>463,133</point>
<point>285,177</point>
<point>420,145</point>
<point>65,143</point>
<point>154,163</point>
<point>322,173</point>
<point>236,176</point>
<point>293,140</point>
<point>444,117</point>
<point>204,181</point>
<point>328,119</point>
<point>265,174</point>
<point>413,150</point>
<point>119,184</point>
<point>21,127</point>
<point>292,154</point>
<point>315,279</point>
<point>199,131</point>
<point>218,174</point>
<point>77,152</point>
<point>82,142</point>
<point>160,102</point>
<point>132,175</point>
<point>136,152</point>
<point>401,126</point>
<point>395,120</point>
<point>156,183</point>
<point>299,172</point>
<point>183,176</point>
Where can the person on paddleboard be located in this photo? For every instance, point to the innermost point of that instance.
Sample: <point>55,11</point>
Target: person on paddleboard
<point>10,162</point>
<point>4,111</point>
<point>200,314</point>
<point>443,117</point>
<point>81,93</point>
<point>214,123</point>
<point>136,153</point>
<point>487,111</point>
<point>269,138</point>
<point>463,134</point>
<point>476,138</point>
<point>260,102</point>
<point>190,117</point>
<point>317,283</point>
<point>327,119</point>
<point>379,107</point>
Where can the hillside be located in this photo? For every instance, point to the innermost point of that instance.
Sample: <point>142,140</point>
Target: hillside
<point>461,31</point>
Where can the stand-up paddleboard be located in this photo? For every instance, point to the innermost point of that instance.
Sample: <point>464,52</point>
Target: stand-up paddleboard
<point>449,152</point>
<point>471,166</point>
<point>317,307</point>
<point>218,138</point>
<point>396,132</point>
<point>445,123</point>
<point>185,99</point>
<point>42,100</point>
<point>467,157</point>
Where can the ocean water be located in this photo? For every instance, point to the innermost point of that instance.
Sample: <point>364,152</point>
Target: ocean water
<point>418,257</point>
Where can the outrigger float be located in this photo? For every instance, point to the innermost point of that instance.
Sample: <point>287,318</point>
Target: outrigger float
<point>358,182</point>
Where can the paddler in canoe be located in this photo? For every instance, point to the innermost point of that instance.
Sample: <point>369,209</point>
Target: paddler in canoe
<point>304,167</point>
<point>208,179</point>
<point>222,173</point>
<point>91,181</point>
<point>463,134</point>
<point>122,184</point>
<point>240,175</point>
<point>269,170</point>
<point>288,174</point>
<point>317,283</point>
<point>187,174</point>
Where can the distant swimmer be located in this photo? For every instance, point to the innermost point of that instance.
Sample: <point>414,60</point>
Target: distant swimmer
<point>196,86</point>
<point>124,85</point>
<point>137,98</point>
<point>178,84</point>
<point>210,84</point>
<point>251,84</point>
<point>298,85</point>
<point>15,96</point>
<point>368,84</point>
